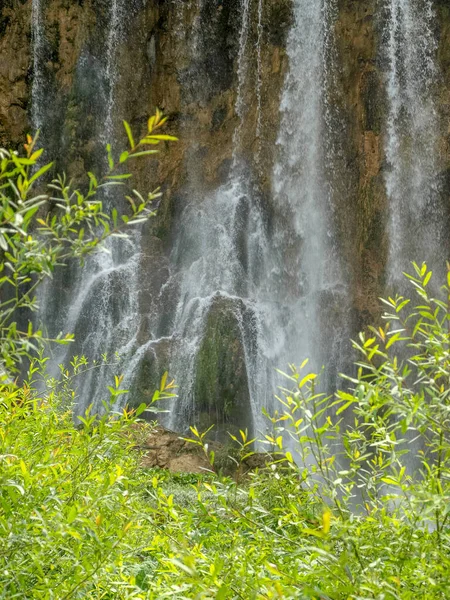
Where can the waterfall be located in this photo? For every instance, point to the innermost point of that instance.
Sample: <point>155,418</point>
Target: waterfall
<point>38,45</point>
<point>260,30</point>
<point>307,271</point>
<point>240,107</point>
<point>116,17</point>
<point>105,309</point>
<point>415,215</point>
<point>270,286</point>
<point>102,309</point>
<point>208,255</point>
<point>270,289</point>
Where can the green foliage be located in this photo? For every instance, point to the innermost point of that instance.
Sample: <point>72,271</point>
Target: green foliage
<point>41,230</point>
<point>353,505</point>
<point>68,500</point>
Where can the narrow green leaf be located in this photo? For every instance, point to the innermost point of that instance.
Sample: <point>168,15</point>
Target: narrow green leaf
<point>309,377</point>
<point>39,173</point>
<point>168,138</point>
<point>110,157</point>
<point>143,153</point>
<point>163,381</point>
<point>141,409</point>
<point>129,134</point>
<point>119,177</point>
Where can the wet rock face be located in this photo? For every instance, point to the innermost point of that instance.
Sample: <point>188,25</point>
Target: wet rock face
<point>14,71</point>
<point>185,61</point>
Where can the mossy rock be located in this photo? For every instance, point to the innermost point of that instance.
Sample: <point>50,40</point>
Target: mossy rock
<point>372,101</point>
<point>221,387</point>
<point>278,21</point>
<point>151,368</point>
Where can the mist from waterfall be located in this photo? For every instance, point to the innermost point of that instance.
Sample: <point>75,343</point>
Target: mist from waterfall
<point>416,223</point>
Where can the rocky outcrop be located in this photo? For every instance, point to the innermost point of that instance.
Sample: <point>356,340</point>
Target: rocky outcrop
<point>165,449</point>
<point>221,385</point>
<point>14,71</point>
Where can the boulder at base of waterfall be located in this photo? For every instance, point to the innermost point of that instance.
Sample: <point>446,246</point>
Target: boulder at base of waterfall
<point>221,390</point>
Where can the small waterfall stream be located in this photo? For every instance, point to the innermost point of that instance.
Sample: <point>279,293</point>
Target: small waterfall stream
<point>116,18</point>
<point>412,137</point>
<point>259,42</point>
<point>310,276</point>
<point>38,45</point>
<point>102,311</point>
<point>209,258</point>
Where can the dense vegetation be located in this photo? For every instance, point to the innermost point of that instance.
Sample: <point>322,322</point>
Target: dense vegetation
<point>354,502</point>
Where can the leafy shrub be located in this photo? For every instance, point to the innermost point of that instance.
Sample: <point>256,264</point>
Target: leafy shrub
<point>67,499</point>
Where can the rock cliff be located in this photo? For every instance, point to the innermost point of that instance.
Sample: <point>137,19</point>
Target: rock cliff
<point>186,58</point>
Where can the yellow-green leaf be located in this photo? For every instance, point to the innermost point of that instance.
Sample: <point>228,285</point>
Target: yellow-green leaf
<point>129,134</point>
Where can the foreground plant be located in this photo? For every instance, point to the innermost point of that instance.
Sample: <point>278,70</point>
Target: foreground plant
<point>42,231</point>
<point>69,508</point>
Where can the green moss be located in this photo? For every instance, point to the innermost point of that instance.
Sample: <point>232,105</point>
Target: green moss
<point>279,21</point>
<point>221,387</point>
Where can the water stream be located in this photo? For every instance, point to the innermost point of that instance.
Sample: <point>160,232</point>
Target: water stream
<point>103,306</point>
<point>38,45</point>
<point>308,285</point>
<point>416,215</point>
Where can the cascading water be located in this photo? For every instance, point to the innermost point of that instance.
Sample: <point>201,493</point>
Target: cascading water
<point>416,216</point>
<point>260,31</point>
<point>208,255</point>
<point>102,310</point>
<point>299,176</point>
<point>308,287</point>
<point>38,42</point>
<point>117,14</point>
<point>271,287</point>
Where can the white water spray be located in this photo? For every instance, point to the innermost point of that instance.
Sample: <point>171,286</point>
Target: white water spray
<point>259,43</point>
<point>415,227</point>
